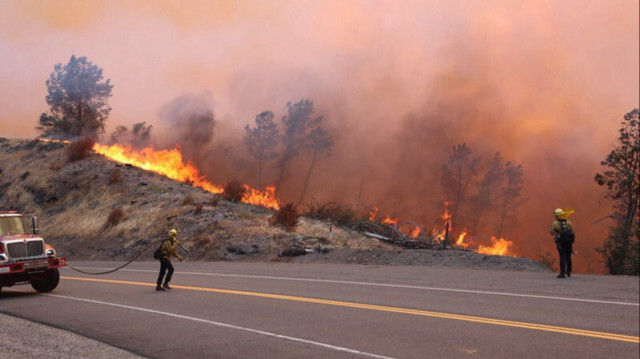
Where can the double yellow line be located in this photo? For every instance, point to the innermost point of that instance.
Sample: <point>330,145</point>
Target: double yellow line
<point>382,308</point>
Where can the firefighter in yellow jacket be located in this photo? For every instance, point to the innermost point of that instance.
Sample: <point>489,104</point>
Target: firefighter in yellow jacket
<point>563,236</point>
<point>169,247</point>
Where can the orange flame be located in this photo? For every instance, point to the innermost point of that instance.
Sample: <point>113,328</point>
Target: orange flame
<point>498,247</point>
<point>169,163</point>
<point>460,241</point>
<point>390,221</point>
<point>446,217</point>
<point>373,214</point>
<point>416,232</point>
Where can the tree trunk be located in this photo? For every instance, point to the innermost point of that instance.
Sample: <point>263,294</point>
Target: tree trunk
<point>260,173</point>
<point>306,181</point>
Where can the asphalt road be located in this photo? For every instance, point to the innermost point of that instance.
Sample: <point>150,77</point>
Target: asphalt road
<point>280,310</point>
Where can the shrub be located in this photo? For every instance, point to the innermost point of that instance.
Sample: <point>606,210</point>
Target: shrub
<point>214,201</point>
<point>187,200</point>
<point>340,214</point>
<point>115,176</point>
<point>234,190</point>
<point>80,149</point>
<point>286,217</point>
<point>116,216</point>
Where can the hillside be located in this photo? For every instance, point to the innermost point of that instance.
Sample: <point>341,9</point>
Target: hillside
<point>97,209</point>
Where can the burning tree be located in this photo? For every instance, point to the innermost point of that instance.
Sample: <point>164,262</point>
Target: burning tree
<point>297,124</point>
<point>622,180</point>
<point>78,100</point>
<point>262,140</point>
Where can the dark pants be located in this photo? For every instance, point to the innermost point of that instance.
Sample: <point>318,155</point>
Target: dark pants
<point>564,250</point>
<point>165,267</point>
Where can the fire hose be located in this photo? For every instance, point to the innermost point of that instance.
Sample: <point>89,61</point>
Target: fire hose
<point>122,266</point>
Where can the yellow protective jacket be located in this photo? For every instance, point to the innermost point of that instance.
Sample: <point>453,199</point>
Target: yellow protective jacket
<point>556,227</point>
<point>169,248</point>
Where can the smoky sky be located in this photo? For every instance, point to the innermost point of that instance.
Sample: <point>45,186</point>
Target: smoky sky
<point>398,83</point>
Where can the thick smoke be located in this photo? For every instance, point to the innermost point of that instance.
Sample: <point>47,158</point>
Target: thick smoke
<point>398,84</point>
<point>188,121</point>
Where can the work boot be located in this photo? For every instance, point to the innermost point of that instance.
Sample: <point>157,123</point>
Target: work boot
<point>159,288</point>
<point>561,275</point>
<point>166,286</point>
<point>569,274</point>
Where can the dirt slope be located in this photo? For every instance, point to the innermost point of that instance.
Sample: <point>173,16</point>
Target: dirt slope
<point>97,209</point>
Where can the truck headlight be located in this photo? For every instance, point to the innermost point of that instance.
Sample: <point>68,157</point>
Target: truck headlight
<point>51,253</point>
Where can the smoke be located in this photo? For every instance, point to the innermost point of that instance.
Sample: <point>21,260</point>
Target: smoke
<point>188,121</point>
<point>399,84</point>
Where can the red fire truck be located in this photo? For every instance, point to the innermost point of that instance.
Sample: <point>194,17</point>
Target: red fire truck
<point>24,256</point>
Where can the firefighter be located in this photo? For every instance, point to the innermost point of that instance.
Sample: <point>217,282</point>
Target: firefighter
<point>562,231</point>
<point>169,247</point>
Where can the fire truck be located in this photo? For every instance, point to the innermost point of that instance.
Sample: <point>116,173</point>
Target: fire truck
<point>24,256</point>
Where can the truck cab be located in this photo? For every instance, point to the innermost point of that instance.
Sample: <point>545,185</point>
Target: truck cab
<point>25,258</point>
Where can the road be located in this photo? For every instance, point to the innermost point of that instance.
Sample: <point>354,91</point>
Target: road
<point>284,310</point>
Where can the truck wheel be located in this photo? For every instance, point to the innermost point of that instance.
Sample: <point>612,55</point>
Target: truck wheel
<point>50,282</point>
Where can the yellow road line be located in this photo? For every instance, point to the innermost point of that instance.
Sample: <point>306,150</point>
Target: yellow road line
<point>507,323</point>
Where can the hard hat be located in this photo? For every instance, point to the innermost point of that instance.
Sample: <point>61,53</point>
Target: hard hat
<point>559,213</point>
<point>173,232</point>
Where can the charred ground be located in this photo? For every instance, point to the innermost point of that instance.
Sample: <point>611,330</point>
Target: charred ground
<point>94,208</point>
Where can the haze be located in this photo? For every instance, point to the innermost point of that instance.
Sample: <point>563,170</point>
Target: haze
<point>399,83</point>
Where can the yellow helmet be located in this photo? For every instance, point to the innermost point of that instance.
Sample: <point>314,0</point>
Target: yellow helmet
<point>173,232</point>
<point>558,212</point>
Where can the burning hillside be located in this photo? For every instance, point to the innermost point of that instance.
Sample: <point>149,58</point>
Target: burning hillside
<point>97,209</point>
<point>170,163</point>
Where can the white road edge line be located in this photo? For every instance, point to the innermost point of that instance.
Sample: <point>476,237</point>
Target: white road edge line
<point>256,331</point>
<point>386,285</point>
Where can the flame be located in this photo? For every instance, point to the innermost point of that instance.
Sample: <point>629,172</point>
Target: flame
<point>416,232</point>
<point>373,214</point>
<point>446,216</point>
<point>498,247</point>
<point>390,221</point>
<point>460,241</point>
<point>266,198</point>
<point>170,163</point>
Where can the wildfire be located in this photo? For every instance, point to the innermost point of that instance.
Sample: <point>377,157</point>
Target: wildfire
<point>498,247</point>
<point>170,163</point>
<point>460,241</point>
<point>446,216</point>
<point>373,214</point>
<point>390,221</point>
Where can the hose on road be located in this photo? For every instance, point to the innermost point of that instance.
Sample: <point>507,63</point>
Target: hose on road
<point>122,266</point>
